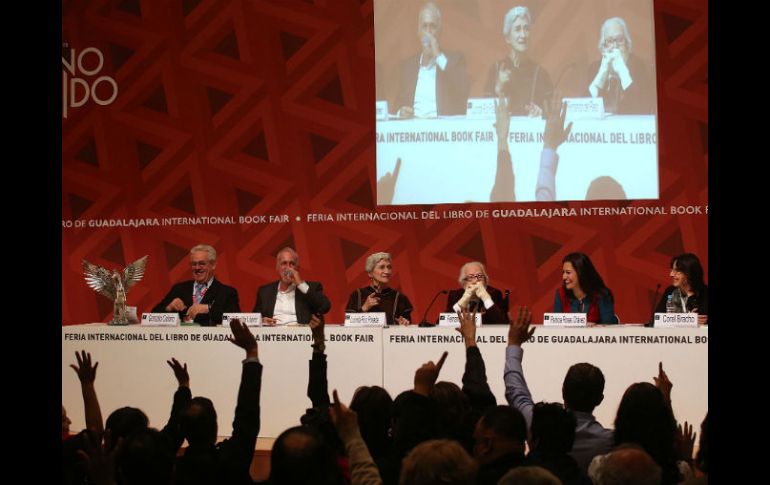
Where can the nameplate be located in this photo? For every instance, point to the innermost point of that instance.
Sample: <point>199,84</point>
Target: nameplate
<point>250,319</point>
<point>675,320</point>
<point>452,320</point>
<point>565,320</point>
<point>372,319</point>
<point>381,110</point>
<point>480,109</point>
<point>160,319</point>
<point>584,109</point>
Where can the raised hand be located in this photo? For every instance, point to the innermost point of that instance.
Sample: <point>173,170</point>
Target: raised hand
<point>386,186</point>
<point>467,327</point>
<point>319,337</point>
<point>243,338</point>
<point>425,377</point>
<point>555,132</point>
<point>345,420</point>
<point>685,441</point>
<point>85,371</point>
<point>180,372</point>
<point>663,383</point>
<point>518,330</point>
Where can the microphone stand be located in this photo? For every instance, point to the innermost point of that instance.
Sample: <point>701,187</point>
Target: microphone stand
<point>650,322</point>
<point>424,322</point>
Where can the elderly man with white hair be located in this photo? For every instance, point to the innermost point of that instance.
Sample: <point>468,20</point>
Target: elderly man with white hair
<point>291,299</point>
<point>477,295</point>
<point>203,299</point>
<point>621,78</point>
<point>379,296</point>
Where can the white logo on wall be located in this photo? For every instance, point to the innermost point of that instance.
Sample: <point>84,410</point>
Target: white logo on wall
<point>81,81</point>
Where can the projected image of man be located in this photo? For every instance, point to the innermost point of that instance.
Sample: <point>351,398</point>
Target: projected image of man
<point>433,82</point>
<point>620,77</point>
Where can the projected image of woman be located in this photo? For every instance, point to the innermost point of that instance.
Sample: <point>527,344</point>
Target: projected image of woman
<point>584,291</point>
<point>524,83</point>
<point>379,296</point>
<point>687,293</point>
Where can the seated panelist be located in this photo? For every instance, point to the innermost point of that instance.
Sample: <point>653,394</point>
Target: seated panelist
<point>291,299</point>
<point>203,299</point>
<point>379,296</point>
<point>477,295</point>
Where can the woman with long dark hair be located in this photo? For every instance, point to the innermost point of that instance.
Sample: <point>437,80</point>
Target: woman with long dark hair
<point>584,291</point>
<point>688,293</point>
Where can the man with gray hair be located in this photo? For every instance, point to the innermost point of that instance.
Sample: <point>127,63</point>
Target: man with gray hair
<point>477,295</point>
<point>433,82</point>
<point>620,78</point>
<point>291,299</point>
<point>203,299</point>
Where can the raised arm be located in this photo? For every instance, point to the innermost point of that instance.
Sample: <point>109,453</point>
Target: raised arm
<point>363,471</point>
<point>516,391</point>
<point>317,384</point>
<point>475,384</point>
<point>87,375</point>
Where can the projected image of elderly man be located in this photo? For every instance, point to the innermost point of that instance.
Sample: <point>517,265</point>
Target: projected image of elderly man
<point>621,78</point>
<point>433,82</point>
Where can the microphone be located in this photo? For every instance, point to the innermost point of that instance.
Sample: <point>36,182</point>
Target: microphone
<point>654,302</point>
<point>425,41</point>
<point>424,322</point>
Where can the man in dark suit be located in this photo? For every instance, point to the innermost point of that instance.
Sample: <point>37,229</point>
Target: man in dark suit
<point>476,295</point>
<point>290,299</point>
<point>203,299</point>
<point>433,83</point>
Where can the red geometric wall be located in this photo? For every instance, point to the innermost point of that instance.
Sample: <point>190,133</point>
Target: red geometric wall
<point>257,108</point>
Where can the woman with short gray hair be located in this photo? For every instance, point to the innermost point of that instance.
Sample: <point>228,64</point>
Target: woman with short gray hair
<point>524,84</point>
<point>379,296</point>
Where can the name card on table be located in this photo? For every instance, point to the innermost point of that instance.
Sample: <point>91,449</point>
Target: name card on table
<point>480,109</point>
<point>565,320</point>
<point>372,319</point>
<point>675,320</point>
<point>381,110</point>
<point>250,319</point>
<point>160,319</point>
<point>452,320</point>
<point>584,109</point>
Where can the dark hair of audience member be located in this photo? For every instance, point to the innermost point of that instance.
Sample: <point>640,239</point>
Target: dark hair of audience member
<point>374,407</point>
<point>301,456</point>
<point>125,421</point>
<point>454,411</point>
<point>583,387</point>
<point>146,458</point>
<point>437,462</point>
<point>506,422</point>
<point>198,422</point>
<point>553,429</point>
<point>689,264</point>
<point>590,280</point>
<point>645,418</point>
<point>529,475</point>
<point>605,188</point>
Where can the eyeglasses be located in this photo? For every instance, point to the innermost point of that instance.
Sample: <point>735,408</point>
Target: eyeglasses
<point>199,263</point>
<point>471,277</point>
<point>617,40</point>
